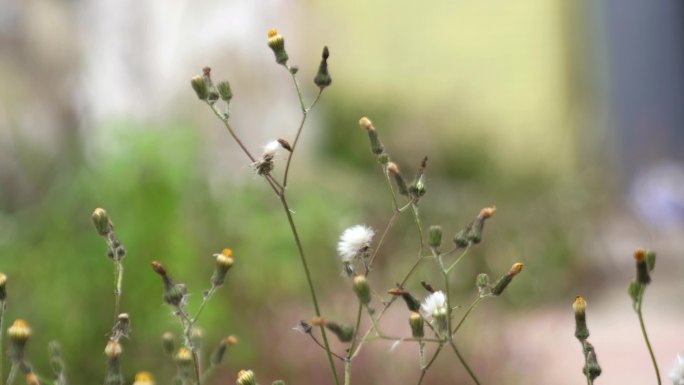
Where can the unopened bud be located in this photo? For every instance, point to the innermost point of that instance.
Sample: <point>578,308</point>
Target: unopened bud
<point>184,362</point>
<point>245,377</point>
<point>376,146</point>
<point>642,267</point>
<point>483,284</point>
<point>224,91</point>
<point>277,44</point>
<point>411,302</point>
<point>114,375</point>
<point>158,268</point>
<point>101,221</point>
<point>32,379</point>
<point>19,334</point>
<point>175,295</point>
<point>503,282</point>
<point>323,78</point>
<point>285,144</point>
<point>591,368</point>
<point>220,352</point>
<point>417,325</point>
<point>144,378</point>
<point>461,238</point>
<point>475,233</point>
<point>580,307</point>
<point>3,287</point>
<point>362,289</point>
<point>197,337</point>
<point>224,261</point>
<point>435,237</point>
<point>200,86</point>
<point>398,179</point>
<point>343,332</point>
<point>168,343</point>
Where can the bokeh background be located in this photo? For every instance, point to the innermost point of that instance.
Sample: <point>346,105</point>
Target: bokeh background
<point>565,115</point>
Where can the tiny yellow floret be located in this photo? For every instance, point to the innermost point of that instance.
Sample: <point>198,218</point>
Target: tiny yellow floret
<point>639,254</point>
<point>580,305</point>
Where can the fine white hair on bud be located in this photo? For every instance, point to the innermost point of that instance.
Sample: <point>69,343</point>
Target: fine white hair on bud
<point>354,241</point>
<point>434,303</point>
<point>271,149</point>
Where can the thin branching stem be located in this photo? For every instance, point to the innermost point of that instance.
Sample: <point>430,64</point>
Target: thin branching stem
<point>205,300</point>
<point>350,351</point>
<point>470,309</point>
<point>403,339</point>
<point>339,357</point>
<point>309,281</point>
<point>12,373</point>
<point>293,145</point>
<point>465,252</point>
<point>429,364</point>
<point>465,365</point>
<point>643,332</point>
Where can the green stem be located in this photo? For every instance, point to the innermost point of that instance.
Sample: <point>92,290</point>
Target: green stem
<point>205,300</point>
<point>356,331</point>
<point>643,332</point>
<point>312,291</point>
<point>465,365</point>
<point>467,313</point>
<point>3,306</point>
<point>12,373</point>
<point>305,114</point>
<point>385,171</point>
<point>432,360</point>
<point>118,289</point>
<point>458,259</point>
<point>347,372</point>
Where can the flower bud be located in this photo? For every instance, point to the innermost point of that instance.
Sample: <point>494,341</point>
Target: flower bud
<point>461,238</point>
<point>101,221</point>
<point>642,267</point>
<point>398,179</point>
<point>56,361</point>
<point>175,295</point>
<point>411,302</point>
<point>224,261</point>
<point>19,334</point>
<point>114,375</point>
<point>435,237</point>
<point>362,289</point>
<point>224,91</point>
<point>323,78</point>
<point>376,146</point>
<point>503,282</point>
<point>31,378</point>
<point>143,378</point>
<point>580,307</point>
<point>168,343</point>
<point>416,322</point>
<point>344,333</point>
<point>475,233</point>
<point>245,377</point>
<point>220,352</point>
<point>200,86</point>
<point>591,368</point>
<point>3,287</point>
<point>197,337</point>
<point>277,44</point>
<point>285,144</point>
<point>483,284</point>
<point>184,362</point>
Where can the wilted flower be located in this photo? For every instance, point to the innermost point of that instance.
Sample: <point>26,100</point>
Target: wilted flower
<point>354,241</point>
<point>677,371</point>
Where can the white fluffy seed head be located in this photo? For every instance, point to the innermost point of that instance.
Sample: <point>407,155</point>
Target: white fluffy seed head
<point>354,241</point>
<point>433,303</point>
<point>271,149</point>
<point>677,371</point>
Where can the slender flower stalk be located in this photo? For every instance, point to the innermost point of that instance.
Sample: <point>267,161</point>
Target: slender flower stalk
<point>645,261</point>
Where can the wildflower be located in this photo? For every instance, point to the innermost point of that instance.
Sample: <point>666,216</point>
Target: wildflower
<point>277,44</point>
<point>101,221</point>
<point>677,371</point>
<point>19,334</point>
<point>376,146</point>
<point>3,287</point>
<point>245,377</point>
<point>362,289</point>
<point>580,308</point>
<point>354,241</point>
<point>224,261</point>
<point>416,322</point>
<point>323,78</point>
<point>435,310</point>
<point>144,378</point>
<point>506,279</point>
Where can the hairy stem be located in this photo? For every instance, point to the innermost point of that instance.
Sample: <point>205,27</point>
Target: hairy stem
<point>119,270</point>
<point>432,360</point>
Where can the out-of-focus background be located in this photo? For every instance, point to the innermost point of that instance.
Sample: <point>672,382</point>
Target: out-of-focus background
<point>565,115</point>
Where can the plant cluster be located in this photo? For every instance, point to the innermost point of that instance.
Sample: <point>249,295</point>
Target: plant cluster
<point>435,319</point>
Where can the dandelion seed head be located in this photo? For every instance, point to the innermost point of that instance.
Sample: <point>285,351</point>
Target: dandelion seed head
<point>354,241</point>
<point>271,149</point>
<point>677,371</point>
